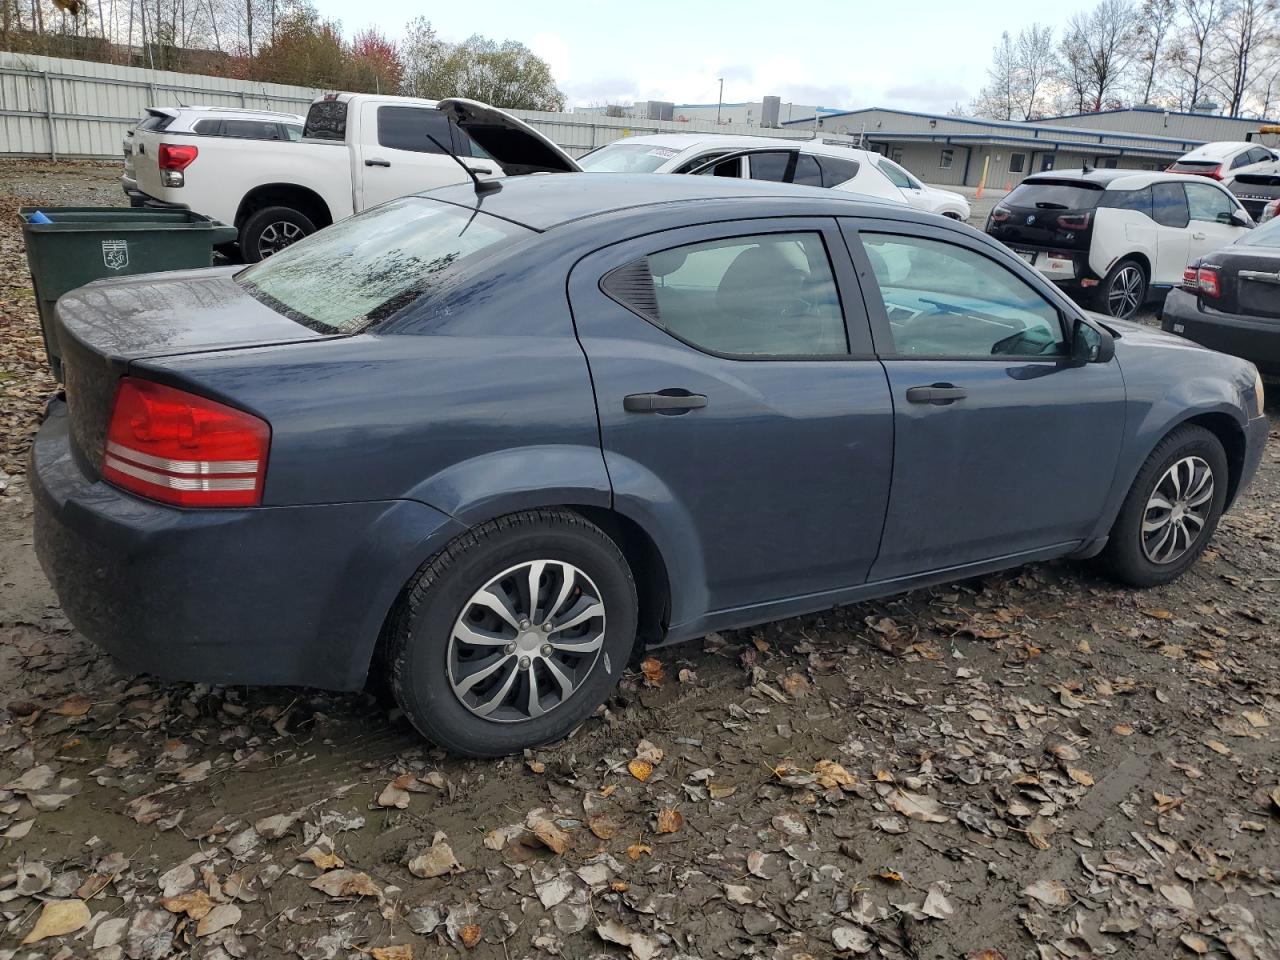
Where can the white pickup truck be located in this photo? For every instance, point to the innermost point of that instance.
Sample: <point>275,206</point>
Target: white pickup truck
<point>356,151</point>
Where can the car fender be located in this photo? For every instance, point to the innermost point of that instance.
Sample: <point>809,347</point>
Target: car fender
<point>1111,243</point>
<point>1184,400</point>
<point>520,478</point>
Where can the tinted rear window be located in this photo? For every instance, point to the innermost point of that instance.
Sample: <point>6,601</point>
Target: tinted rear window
<point>412,128</point>
<point>1054,195</point>
<point>154,121</point>
<point>365,268</point>
<point>1196,165</point>
<point>327,120</point>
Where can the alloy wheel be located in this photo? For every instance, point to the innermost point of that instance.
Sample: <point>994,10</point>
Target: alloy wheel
<point>1177,510</point>
<point>278,235</point>
<point>526,641</point>
<point>1124,296</point>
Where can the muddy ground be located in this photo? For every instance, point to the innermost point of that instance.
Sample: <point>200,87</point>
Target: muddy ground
<point>1036,764</point>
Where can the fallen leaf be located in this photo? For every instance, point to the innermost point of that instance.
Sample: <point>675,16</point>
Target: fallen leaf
<point>736,893</point>
<point>1051,893</point>
<point>1178,895</point>
<point>653,672</point>
<point>831,775</point>
<point>396,793</point>
<point>1195,943</point>
<point>638,850</point>
<point>76,705</point>
<point>471,935</point>
<point>719,791</point>
<point>917,806</point>
<point>1082,777</point>
<point>889,875</point>
<point>219,918</point>
<point>851,940</point>
<point>1122,730</point>
<point>436,861</point>
<point>346,883</point>
<point>606,828</point>
<point>58,918</point>
<point>273,828</point>
<point>324,859</point>
<point>642,947</point>
<point>401,951</point>
<point>194,904</point>
<point>547,831</point>
<point>196,772</point>
<point>642,770</point>
<point>669,821</point>
<point>936,905</point>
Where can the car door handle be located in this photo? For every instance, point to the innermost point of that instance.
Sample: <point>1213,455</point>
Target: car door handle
<point>377,162</point>
<point>657,402</point>
<point>1197,236</point>
<point>938,394</point>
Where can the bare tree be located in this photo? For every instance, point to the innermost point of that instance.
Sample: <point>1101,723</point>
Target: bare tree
<point>996,99</point>
<point>1194,47</point>
<point>1156,20</point>
<point>1097,50</point>
<point>1018,76</point>
<point>1249,28</point>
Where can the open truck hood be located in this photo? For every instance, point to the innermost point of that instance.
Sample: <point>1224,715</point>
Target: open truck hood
<point>514,145</point>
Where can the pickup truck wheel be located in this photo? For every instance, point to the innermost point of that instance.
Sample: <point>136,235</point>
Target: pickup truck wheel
<point>270,230</point>
<point>1171,510</point>
<point>513,634</point>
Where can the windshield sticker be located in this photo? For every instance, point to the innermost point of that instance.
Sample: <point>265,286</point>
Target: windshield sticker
<point>665,152</point>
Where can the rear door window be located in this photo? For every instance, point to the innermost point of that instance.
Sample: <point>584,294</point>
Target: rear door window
<point>1169,205</point>
<point>771,166</point>
<point>808,173</point>
<point>251,129</point>
<point>408,128</point>
<point>1136,200</point>
<point>208,128</point>
<point>837,171</point>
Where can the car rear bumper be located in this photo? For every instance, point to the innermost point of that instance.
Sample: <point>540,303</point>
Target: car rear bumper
<point>1252,338</point>
<point>268,595</point>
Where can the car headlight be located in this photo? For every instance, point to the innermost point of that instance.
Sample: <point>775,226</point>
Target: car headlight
<point>1259,394</point>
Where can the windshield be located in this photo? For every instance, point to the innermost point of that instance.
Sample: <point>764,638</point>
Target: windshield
<point>1267,235</point>
<point>623,157</point>
<point>1051,195</point>
<point>363,269</point>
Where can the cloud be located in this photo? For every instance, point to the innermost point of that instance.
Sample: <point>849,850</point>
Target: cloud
<point>926,94</point>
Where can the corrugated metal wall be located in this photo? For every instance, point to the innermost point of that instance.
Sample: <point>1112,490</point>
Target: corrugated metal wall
<point>74,108</point>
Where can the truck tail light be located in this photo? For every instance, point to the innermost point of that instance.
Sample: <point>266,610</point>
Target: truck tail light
<point>1207,278</point>
<point>1075,221</point>
<point>174,158</point>
<point>179,448</point>
<point>177,156</point>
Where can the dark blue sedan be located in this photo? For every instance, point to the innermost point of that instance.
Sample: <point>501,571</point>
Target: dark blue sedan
<point>489,443</point>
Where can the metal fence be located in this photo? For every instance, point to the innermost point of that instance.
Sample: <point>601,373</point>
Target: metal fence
<point>53,107</point>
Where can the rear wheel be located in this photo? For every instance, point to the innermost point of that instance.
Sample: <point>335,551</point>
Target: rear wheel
<point>270,230</point>
<point>1171,511</point>
<point>514,634</point>
<point>1123,291</point>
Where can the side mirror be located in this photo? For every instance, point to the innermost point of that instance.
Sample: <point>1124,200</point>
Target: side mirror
<point>1239,219</point>
<point>1090,344</point>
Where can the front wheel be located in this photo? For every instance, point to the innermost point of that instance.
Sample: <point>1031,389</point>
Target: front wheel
<point>1123,291</point>
<point>513,634</point>
<point>270,230</point>
<point>1171,510</point>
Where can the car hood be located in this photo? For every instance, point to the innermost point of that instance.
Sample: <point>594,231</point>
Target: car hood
<point>1139,334</point>
<point>948,195</point>
<point>513,144</point>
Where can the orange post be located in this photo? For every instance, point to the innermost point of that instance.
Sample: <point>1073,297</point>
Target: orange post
<point>982,184</point>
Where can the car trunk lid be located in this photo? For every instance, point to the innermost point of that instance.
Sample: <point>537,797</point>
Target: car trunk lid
<point>105,326</point>
<point>513,144</point>
<point>1255,191</point>
<point>1056,213</point>
<point>1248,281</point>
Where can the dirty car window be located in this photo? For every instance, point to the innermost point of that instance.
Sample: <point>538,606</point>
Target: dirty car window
<point>354,273</point>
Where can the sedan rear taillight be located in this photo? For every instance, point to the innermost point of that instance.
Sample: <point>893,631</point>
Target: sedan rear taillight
<point>183,449</point>
<point>1191,279</point>
<point>1207,279</point>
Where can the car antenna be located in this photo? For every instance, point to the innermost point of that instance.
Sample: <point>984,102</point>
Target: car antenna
<point>1085,168</point>
<point>482,187</point>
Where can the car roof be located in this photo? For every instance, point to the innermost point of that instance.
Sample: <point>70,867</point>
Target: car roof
<point>545,201</point>
<point>1218,150</point>
<point>1114,179</point>
<point>690,141</point>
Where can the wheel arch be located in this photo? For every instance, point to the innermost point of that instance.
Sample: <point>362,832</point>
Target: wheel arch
<point>1232,437</point>
<point>303,199</point>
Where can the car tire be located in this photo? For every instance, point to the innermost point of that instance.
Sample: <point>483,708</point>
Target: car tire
<point>270,230</point>
<point>1122,291</point>
<point>1135,553</point>
<point>452,690</point>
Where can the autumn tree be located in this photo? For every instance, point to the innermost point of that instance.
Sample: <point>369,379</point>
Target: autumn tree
<point>373,64</point>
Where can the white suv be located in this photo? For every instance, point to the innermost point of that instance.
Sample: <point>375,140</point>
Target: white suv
<point>229,122</point>
<point>806,162</point>
<point>1223,159</point>
<point>1110,237</point>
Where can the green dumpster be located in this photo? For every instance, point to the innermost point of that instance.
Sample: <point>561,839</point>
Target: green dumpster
<point>80,244</point>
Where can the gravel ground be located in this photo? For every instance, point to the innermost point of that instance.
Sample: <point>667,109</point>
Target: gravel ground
<point>1035,764</point>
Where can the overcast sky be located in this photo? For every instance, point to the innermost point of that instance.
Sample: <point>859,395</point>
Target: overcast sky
<point>914,54</point>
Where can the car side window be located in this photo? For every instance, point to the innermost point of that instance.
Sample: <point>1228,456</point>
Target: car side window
<point>1169,204</point>
<point>208,128</point>
<point>292,132</point>
<point>765,295</point>
<point>944,300</point>
<point>1136,200</point>
<point>690,165</point>
<point>251,129</point>
<point>1208,204</point>
<point>836,171</point>
<point>897,175</point>
<point>407,128</point>
<point>770,166</point>
<point>808,173</point>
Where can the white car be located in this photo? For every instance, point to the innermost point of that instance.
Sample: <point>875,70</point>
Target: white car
<point>356,151</point>
<point>231,122</point>
<point>1109,237</point>
<point>1223,159</point>
<point>808,162</point>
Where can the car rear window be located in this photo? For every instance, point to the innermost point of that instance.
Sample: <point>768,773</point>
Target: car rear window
<point>349,276</point>
<point>626,158</point>
<point>154,121</point>
<point>1196,165</point>
<point>1054,195</point>
<point>326,120</point>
